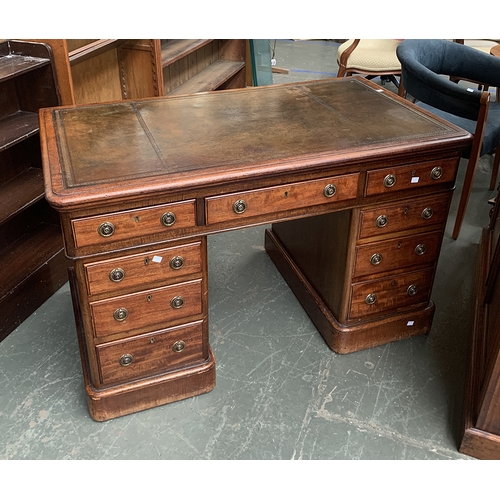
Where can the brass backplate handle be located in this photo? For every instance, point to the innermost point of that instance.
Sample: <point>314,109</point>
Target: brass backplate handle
<point>436,173</point>
<point>427,213</point>
<point>371,299</point>
<point>106,229</point>
<point>176,262</point>
<point>126,359</point>
<point>330,190</point>
<point>177,302</point>
<point>239,206</point>
<point>117,275</point>
<point>120,314</point>
<point>381,221</point>
<point>179,346</point>
<point>420,249</point>
<point>168,219</point>
<point>389,180</point>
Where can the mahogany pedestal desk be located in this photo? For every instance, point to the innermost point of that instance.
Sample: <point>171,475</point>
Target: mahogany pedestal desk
<point>355,181</point>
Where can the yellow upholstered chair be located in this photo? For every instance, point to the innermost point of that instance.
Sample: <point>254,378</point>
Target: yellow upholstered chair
<point>369,58</point>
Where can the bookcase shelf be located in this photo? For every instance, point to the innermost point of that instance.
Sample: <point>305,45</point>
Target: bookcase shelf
<point>32,261</point>
<point>190,66</point>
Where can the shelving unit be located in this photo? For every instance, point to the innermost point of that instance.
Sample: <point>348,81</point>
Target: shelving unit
<point>32,260</point>
<point>191,66</point>
<point>90,71</point>
<point>100,70</point>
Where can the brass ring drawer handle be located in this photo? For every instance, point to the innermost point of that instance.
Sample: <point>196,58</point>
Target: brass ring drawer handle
<point>106,229</point>
<point>329,190</point>
<point>381,221</point>
<point>179,346</point>
<point>436,173</point>
<point>412,290</point>
<point>239,206</point>
<point>168,219</point>
<point>376,259</point>
<point>177,302</point>
<point>176,262</point>
<point>389,180</point>
<point>120,314</point>
<point>427,213</point>
<point>126,359</point>
<point>117,275</point>
<point>371,299</point>
<point>420,249</point>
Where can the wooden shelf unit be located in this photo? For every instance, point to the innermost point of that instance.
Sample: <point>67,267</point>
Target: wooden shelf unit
<point>101,70</point>
<point>191,66</point>
<point>91,71</point>
<point>32,260</point>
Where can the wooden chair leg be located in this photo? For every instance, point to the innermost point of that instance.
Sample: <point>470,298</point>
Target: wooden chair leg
<point>494,170</point>
<point>401,89</point>
<point>464,197</point>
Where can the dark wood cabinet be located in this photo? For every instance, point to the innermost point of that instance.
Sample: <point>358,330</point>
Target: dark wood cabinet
<point>32,261</point>
<point>481,437</point>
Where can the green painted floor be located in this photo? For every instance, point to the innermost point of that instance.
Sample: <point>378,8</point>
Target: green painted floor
<point>281,394</point>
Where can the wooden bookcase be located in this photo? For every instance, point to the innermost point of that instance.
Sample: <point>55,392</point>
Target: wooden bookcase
<point>90,70</point>
<point>32,260</point>
<point>103,70</point>
<point>190,66</point>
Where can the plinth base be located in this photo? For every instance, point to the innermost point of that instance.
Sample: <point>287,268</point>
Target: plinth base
<point>344,339</point>
<point>111,402</point>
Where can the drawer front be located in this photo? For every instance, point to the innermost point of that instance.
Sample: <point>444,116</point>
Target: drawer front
<point>402,216</point>
<point>146,310</point>
<point>129,224</point>
<point>380,296</point>
<point>388,180</point>
<point>116,275</point>
<point>149,354</point>
<point>396,253</point>
<point>281,198</point>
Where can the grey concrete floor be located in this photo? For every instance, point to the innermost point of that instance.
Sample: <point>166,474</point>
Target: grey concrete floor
<point>281,394</point>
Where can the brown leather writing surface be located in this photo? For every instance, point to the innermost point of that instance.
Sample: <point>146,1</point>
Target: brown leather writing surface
<point>214,132</point>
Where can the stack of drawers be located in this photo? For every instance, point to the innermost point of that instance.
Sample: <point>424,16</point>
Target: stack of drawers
<point>143,309</point>
<point>365,276</point>
<point>396,252</point>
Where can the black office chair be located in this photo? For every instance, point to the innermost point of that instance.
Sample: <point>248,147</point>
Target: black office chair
<point>427,66</point>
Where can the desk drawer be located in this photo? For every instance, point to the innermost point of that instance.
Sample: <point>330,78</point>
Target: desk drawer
<point>281,198</point>
<point>145,310</point>
<point>129,224</point>
<point>380,296</point>
<point>387,255</point>
<point>392,179</point>
<point>148,268</point>
<point>152,353</point>
<point>401,216</point>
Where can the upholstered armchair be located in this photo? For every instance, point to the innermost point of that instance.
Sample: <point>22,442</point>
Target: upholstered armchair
<point>370,58</point>
<point>430,70</point>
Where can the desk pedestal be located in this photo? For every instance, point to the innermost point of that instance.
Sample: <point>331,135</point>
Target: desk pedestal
<point>344,339</point>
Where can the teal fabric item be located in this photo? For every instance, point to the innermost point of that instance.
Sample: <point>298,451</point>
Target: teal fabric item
<point>426,67</point>
<point>492,130</point>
